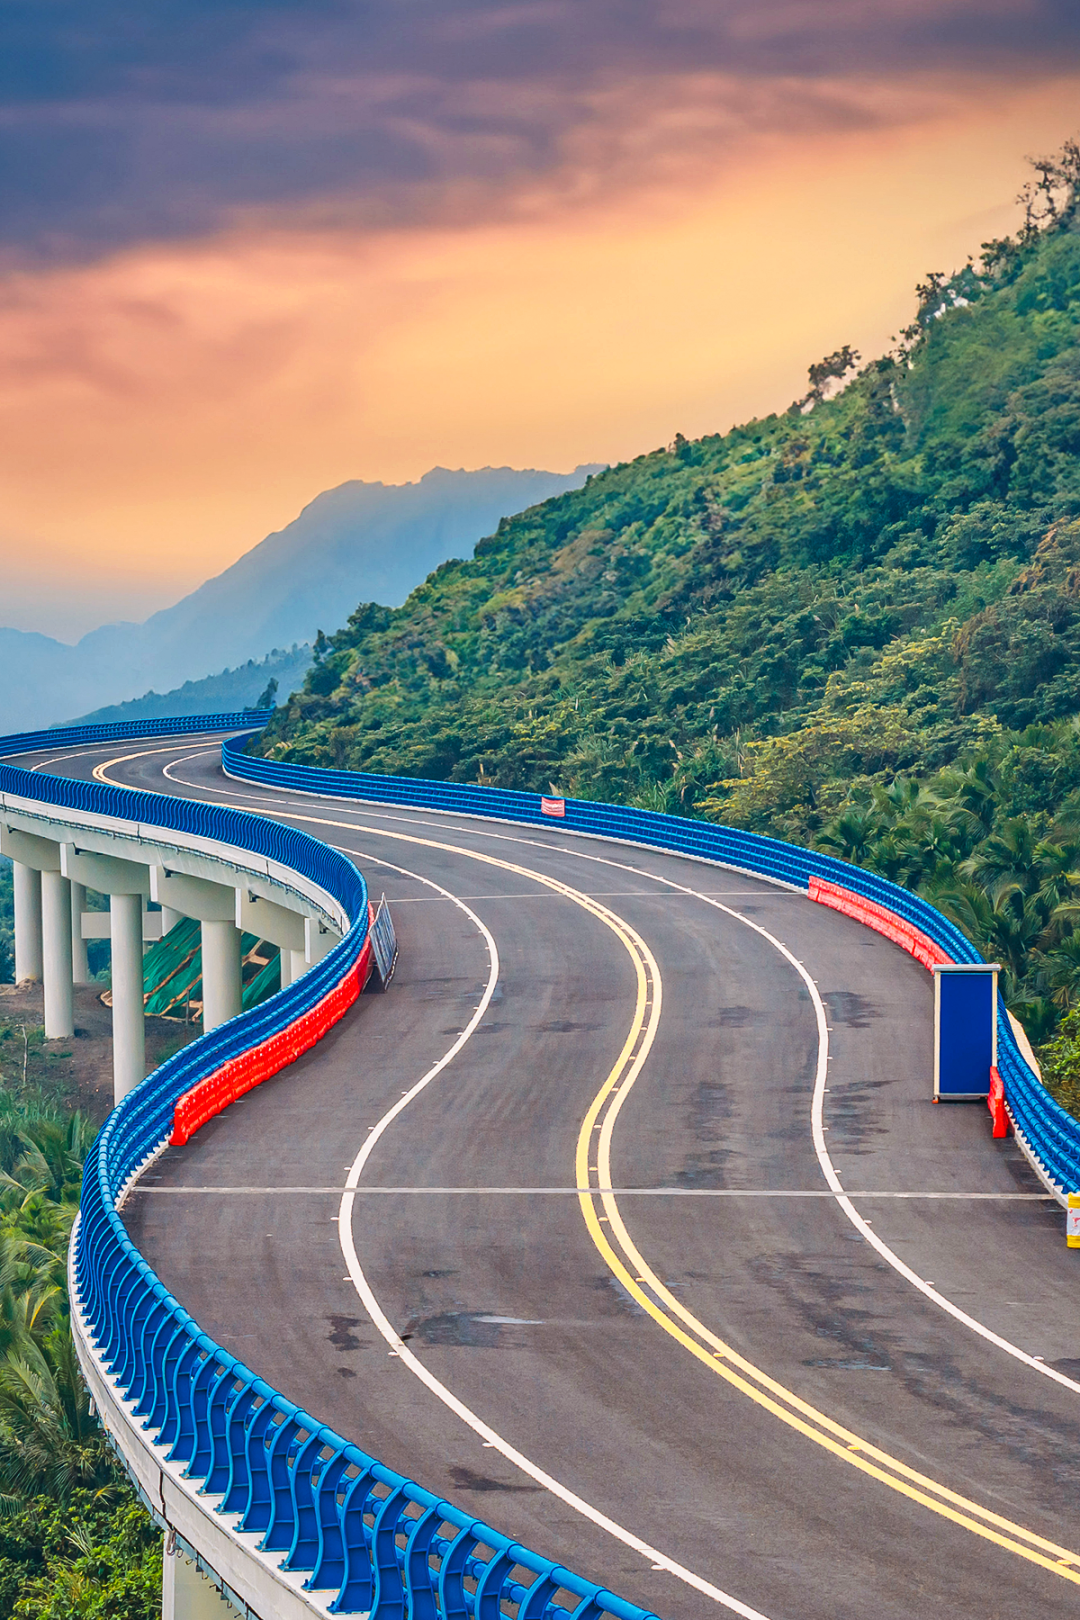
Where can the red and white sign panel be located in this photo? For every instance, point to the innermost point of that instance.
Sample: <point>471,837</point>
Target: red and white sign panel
<point>552,807</point>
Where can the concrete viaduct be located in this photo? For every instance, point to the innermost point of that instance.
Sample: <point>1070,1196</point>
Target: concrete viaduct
<point>54,866</point>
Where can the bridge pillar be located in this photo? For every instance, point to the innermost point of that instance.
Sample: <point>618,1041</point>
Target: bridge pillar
<point>28,953</point>
<point>56,955</point>
<point>80,971</point>
<point>221,985</point>
<point>169,919</point>
<point>319,940</point>
<point>284,928</point>
<point>127,884</point>
<point>187,1595</point>
<point>293,964</point>
<point>214,905</point>
<point>129,1030</point>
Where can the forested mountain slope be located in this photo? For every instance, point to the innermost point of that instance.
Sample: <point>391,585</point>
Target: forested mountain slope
<point>375,539</point>
<point>770,626</point>
<point>281,671</point>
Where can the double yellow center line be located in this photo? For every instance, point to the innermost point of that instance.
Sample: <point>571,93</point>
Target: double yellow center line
<point>627,1264</point>
<point>608,1231</point>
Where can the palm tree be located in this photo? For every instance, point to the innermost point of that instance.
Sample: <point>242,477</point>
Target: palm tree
<point>1005,923</point>
<point>49,1442</point>
<point>851,835</point>
<point>46,1153</point>
<point>976,791</point>
<point>899,799</point>
<point>1058,869</point>
<point>1005,856</point>
<point>1058,969</point>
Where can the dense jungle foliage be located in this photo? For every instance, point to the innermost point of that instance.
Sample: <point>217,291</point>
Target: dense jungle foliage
<point>73,1539</point>
<point>855,624</point>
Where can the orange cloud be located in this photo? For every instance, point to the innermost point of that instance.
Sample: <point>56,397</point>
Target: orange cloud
<point>164,408</point>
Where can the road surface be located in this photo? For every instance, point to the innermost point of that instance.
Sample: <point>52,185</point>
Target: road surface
<point>721,1361</point>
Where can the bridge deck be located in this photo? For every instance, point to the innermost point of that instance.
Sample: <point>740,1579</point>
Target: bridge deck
<point>502,1294</point>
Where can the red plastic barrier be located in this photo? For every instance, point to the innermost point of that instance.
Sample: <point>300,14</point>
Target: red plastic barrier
<point>995,1101</point>
<point>879,918</point>
<point>249,1069</point>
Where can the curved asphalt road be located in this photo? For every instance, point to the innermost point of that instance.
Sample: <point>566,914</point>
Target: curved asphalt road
<point>813,1484</point>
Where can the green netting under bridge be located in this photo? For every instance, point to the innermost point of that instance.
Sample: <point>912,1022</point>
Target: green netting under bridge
<point>172,972</point>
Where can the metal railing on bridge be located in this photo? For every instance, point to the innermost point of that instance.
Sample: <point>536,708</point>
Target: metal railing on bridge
<point>368,1539</point>
<point>1051,1134</point>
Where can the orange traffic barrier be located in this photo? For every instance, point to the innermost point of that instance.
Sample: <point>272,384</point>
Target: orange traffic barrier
<point>995,1101</point>
<point>213,1094</point>
<point>880,919</point>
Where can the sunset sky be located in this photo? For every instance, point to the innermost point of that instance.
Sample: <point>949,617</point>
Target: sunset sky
<point>251,249</point>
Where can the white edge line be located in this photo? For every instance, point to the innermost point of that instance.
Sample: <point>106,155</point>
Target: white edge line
<point>817,1105</point>
<point>506,821</point>
<point>817,1110</point>
<point>843,1199</point>
<point>658,1559</point>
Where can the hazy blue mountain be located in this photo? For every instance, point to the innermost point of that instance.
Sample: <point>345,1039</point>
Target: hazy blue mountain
<point>360,542</point>
<point>233,689</point>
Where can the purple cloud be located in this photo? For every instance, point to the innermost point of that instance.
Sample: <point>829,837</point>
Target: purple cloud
<point>127,122</point>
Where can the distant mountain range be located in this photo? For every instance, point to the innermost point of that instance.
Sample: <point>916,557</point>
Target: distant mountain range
<point>224,693</point>
<point>360,542</point>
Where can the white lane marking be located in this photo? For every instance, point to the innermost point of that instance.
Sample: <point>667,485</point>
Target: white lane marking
<point>167,770</point>
<point>58,759</point>
<point>398,1348</point>
<point>593,894</point>
<point>925,1288</point>
<point>490,1437</point>
<point>843,1199</point>
<point>99,772</point>
<point>817,1104</point>
<point>81,753</point>
<point>617,1192</point>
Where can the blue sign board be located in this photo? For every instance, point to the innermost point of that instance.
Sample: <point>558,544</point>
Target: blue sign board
<point>965,1029</point>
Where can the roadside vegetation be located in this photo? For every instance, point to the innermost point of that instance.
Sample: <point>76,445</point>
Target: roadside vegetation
<point>74,1541</point>
<point>855,624</point>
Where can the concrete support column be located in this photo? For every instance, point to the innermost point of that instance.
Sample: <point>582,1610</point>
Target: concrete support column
<point>293,964</point>
<point>28,962</point>
<point>56,956</point>
<point>80,972</point>
<point>129,1031</point>
<point>169,919</point>
<point>220,973</point>
<point>187,1595</point>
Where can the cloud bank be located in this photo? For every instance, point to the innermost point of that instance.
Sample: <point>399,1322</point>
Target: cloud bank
<point>124,123</point>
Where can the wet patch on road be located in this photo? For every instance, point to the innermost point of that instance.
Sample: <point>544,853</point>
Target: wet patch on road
<point>734,1018</point>
<point>855,1120</point>
<point>341,1334</point>
<point>845,1007</point>
<point>560,1026</point>
<point>461,1329</point>
<point>465,1480</point>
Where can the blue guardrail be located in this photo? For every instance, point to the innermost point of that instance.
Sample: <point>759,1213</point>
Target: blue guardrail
<point>1052,1134</point>
<point>31,742</point>
<point>366,1536</point>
